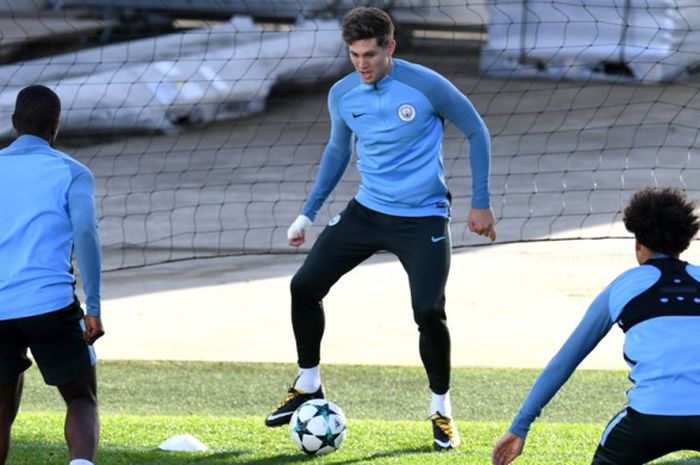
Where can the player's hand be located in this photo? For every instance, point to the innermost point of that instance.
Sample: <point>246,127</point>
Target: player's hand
<point>296,234</point>
<point>483,222</point>
<point>507,449</point>
<point>93,329</point>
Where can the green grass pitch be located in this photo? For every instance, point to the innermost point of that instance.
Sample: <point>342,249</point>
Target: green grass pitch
<point>223,404</point>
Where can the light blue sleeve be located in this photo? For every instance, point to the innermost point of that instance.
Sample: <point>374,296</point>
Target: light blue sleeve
<point>453,105</point>
<point>334,161</point>
<point>593,327</point>
<point>86,243</point>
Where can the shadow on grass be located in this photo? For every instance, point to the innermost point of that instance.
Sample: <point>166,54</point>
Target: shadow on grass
<point>234,457</point>
<point>299,458</point>
<point>29,453</point>
<point>394,453</point>
<point>25,453</point>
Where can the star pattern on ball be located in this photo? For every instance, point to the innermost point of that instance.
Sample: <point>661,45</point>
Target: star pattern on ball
<point>318,427</point>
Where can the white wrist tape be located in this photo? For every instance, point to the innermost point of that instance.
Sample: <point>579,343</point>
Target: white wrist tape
<point>299,227</point>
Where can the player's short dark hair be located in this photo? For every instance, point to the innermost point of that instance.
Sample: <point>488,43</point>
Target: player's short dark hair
<point>367,22</point>
<point>663,220</point>
<point>37,110</point>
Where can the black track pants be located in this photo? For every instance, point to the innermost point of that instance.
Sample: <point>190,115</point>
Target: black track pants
<point>634,438</point>
<point>423,248</point>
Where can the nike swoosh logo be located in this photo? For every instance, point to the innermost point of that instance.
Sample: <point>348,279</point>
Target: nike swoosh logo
<point>437,239</point>
<point>443,444</point>
<point>279,415</point>
<point>357,115</point>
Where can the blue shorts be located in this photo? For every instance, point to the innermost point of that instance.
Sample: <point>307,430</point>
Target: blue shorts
<point>57,345</point>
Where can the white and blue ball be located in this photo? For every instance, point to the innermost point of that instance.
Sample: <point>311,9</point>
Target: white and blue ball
<point>318,427</point>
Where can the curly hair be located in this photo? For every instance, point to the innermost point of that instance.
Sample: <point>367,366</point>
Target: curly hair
<point>663,220</point>
<point>367,22</point>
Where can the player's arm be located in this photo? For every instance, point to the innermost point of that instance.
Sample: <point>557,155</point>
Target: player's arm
<point>593,327</point>
<point>86,243</point>
<point>452,104</point>
<point>334,162</point>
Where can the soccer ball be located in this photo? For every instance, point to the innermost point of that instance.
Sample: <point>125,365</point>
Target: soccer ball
<point>317,427</point>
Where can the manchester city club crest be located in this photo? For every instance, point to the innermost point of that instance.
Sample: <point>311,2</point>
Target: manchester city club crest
<point>335,220</point>
<point>407,112</point>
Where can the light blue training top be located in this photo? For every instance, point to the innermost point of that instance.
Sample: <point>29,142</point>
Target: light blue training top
<point>48,210</point>
<point>663,352</point>
<point>398,122</point>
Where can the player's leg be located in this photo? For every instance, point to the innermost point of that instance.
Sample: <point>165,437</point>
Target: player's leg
<point>10,395</point>
<point>13,363</point>
<point>343,244</point>
<point>633,438</point>
<point>423,247</point>
<point>82,427</point>
<point>67,362</point>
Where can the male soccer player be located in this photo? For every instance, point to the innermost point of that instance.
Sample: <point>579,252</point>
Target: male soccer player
<point>47,213</point>
<point>397,111</point>
<point>657,305</point>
